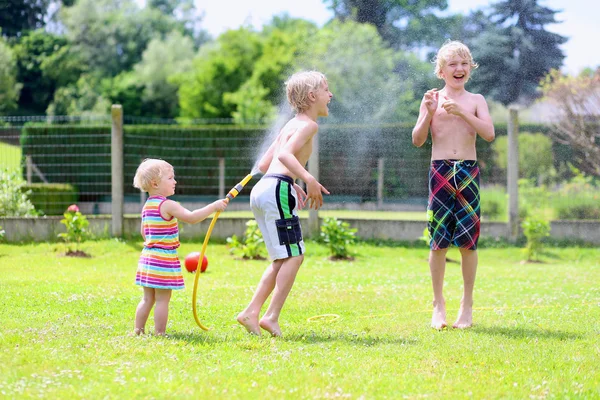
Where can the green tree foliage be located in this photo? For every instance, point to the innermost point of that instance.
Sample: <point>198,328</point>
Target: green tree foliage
<point>402,23</point>
<point>536,159</point>
<point>283,41</point>
<point>360,70</point>
<point>221,67</point>
<point>111,35</point>
<point>81,98</point>
<point>19,16</point>
<point>44,63</point>
<point>148,90</point>
<point>9,88</point>
<point>517,51</point>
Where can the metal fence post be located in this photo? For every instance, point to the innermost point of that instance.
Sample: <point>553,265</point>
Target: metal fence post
<point>221,178</point>
<point>513,174</point>
<point>117,179</point>
<point>380,171</point>
<point>313,168</point>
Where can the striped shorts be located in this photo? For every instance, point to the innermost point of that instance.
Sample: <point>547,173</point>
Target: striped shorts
<point>273,201</point>
<point>453,210</point>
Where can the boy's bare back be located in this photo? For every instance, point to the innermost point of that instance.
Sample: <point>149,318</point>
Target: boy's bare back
<point>296,138</point>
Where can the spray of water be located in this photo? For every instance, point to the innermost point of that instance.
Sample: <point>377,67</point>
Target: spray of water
<point>284,114</point>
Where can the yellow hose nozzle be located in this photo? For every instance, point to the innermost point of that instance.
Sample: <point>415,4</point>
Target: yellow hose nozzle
<point>238,188</point>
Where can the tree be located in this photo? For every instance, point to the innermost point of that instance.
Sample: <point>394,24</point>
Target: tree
<point>402,23</point>
<point>221,67</point>
<point>517,52</point>
<point>148,90</point>
<point>43,66</point>
<point>9,88</point>
<point>576,121</point>
<point>111,35</point>
<point>19,16</point>
<point>360,69</point>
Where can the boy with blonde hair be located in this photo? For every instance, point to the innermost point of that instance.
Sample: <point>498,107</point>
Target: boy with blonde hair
<point>276,199</point>
<point>455,118</point>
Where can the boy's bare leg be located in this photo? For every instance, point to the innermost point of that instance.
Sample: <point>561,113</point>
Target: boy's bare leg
<point>437,267</point>
<point>249,317</point>
<point>469,270</point>
<point>161,311</point>
<point>143,310</point>
<point>284,283</point>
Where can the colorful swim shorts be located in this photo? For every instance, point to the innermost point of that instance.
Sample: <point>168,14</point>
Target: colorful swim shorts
<point>453,209</point>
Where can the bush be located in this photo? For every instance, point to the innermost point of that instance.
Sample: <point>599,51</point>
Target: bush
<point>337,235</point>
<point>76,224</point>
<point>13,200</point>
<point>579,198</point>
<point>252,245</point>
<point>51,198</point>
<point>494,203</point>
<point>535,228</point>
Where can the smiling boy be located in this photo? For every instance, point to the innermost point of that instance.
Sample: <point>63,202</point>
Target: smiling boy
<point>455,118</point>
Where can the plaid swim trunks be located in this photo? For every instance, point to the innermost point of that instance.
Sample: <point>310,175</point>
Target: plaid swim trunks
<point>453,210</point>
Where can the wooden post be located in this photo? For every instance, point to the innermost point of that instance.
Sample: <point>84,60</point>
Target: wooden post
<point>221,178</point>
<point>513,174</point>
<point>314,226</point>
<point>380,169</point>
<point>117,179</point>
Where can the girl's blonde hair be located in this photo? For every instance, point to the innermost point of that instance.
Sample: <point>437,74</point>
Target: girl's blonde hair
<point>150,170</point>
<point>449,49</point>
<point>299,85</point>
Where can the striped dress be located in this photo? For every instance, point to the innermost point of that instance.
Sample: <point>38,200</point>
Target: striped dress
<point>159,266</point>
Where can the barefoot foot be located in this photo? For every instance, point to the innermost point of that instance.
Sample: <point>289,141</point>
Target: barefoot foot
<point>438,319</point>
<point>270,326</point>
<point>465,316</point>
<point>250,322</point>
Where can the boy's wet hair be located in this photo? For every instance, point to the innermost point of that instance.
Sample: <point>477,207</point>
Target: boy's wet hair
<point>150,170</point>
<point>299,85</point>
<point>450,49</point>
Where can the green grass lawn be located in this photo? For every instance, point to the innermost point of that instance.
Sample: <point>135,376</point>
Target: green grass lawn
<point>65,324</point>
<point>10,156</point>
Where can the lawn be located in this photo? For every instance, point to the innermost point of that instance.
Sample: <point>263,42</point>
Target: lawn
<point>65,324</point>
<point>10,156</point>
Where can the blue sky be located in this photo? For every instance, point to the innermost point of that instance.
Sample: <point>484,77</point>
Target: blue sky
<point>580,20</point>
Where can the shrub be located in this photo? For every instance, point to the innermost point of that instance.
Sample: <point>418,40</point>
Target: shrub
<point>252,245</point>
<point>76,224</point>
<point>13,200</point>
<point>579,198</point>
<point>535,228</point>
<point>51,198</point>
<point>494,203</point>
<point>337,235</point>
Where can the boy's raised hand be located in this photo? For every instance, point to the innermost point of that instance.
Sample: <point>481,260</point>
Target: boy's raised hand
<point>431,100</point>
<point>451,106</point>
<point>314,196</point>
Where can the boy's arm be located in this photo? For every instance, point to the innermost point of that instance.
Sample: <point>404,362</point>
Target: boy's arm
<point>287,156</point>
<point>481,121</point>
<point>426,111</point>
<point>170,208</point>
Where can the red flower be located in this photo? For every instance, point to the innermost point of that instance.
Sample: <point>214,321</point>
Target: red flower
<point>73,208</point>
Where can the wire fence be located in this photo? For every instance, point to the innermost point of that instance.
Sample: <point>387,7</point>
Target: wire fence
<point>68,159</point>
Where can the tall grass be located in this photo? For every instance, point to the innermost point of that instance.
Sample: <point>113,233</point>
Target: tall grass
<point>65,325</point>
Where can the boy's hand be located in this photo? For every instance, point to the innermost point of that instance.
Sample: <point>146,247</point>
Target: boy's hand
<point>301,196</point>
<point>314,196</point>
<point>431,100</point>
<point>220,205</point>
<point>452,107</point>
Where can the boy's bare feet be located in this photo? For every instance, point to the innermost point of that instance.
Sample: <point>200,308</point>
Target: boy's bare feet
<point>465,316</point>
<point>138,331</point>
<point>438,319</point>
<point>270,326</point>
<point>250,322</point>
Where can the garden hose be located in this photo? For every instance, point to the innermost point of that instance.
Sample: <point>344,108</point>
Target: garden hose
<point>230,196</point>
